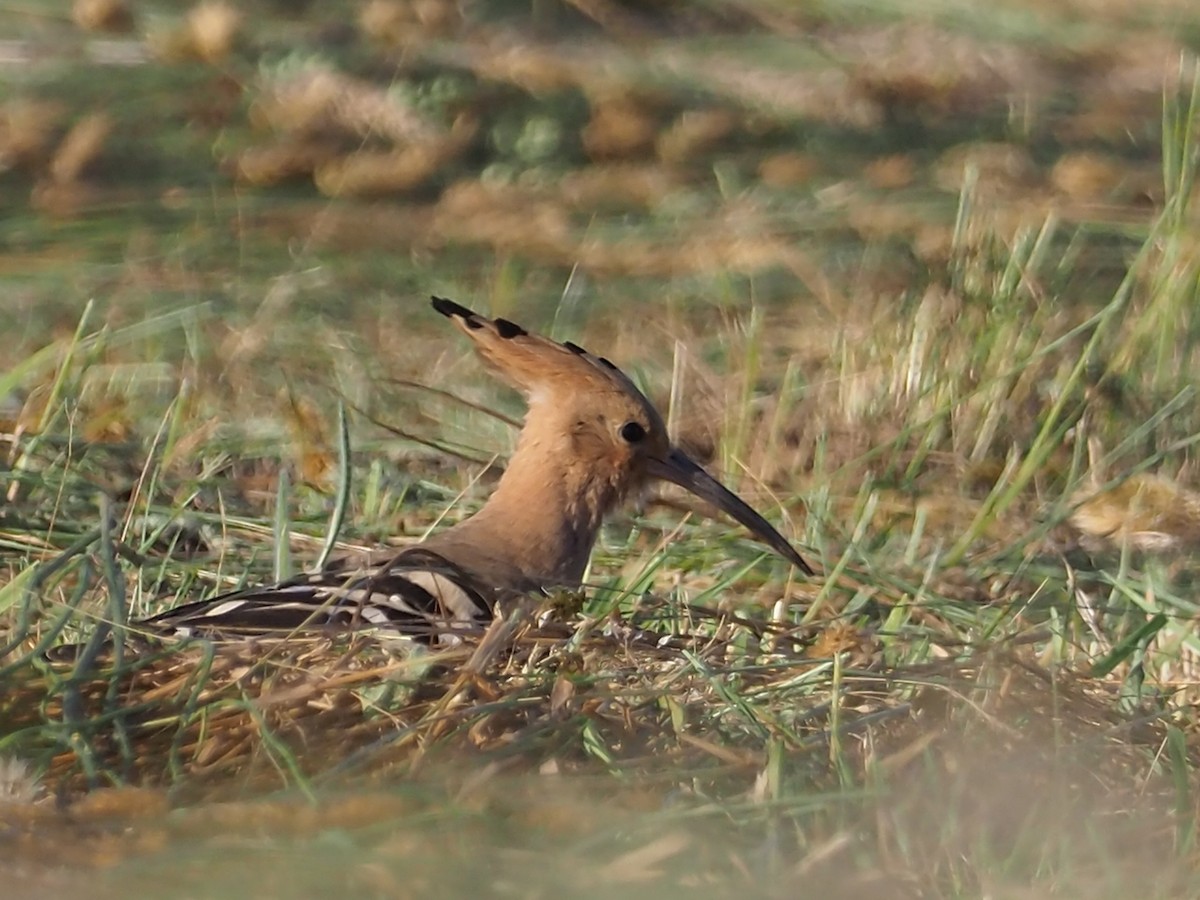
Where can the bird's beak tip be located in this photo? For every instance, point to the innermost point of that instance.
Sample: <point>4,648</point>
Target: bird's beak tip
<point>678,468</point>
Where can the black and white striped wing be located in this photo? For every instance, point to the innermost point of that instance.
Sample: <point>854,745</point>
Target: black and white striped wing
<point>416,592</point>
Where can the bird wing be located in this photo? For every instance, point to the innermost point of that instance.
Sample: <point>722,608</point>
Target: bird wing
<point>415,592</point>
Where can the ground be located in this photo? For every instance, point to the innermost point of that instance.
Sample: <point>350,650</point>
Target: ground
<point>920,285</point>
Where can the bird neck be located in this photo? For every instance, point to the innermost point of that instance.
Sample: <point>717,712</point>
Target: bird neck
<point>545,513</point>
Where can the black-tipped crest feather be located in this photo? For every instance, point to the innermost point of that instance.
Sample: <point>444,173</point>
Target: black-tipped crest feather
<point>508,330</point>
<point>450,308</point>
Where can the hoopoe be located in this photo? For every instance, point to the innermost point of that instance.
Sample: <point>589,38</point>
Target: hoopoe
<point>590,439</point>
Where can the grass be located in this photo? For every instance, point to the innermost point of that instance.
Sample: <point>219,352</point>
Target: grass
<point>966,391</point>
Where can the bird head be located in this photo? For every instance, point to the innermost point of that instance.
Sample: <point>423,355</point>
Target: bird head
<point>590,419</point>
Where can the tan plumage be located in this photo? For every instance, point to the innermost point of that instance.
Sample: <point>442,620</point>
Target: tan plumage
<point>589,439</point>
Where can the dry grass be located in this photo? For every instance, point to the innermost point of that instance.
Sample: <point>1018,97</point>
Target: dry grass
<point>922,290</point>
<point>993,759</point>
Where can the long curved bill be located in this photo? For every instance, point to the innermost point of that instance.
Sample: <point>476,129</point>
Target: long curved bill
<point>679,469</point>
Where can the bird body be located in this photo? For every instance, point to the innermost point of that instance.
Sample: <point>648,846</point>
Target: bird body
<point>415,591</point>
<point>590,439</point>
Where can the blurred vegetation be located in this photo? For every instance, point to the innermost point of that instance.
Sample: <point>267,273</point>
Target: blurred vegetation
<point>920,281</point>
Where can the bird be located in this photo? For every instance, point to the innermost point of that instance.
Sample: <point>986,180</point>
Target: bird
<point>590,439</point>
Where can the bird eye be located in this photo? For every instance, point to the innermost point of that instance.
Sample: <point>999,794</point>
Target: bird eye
<point>632,432</point>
